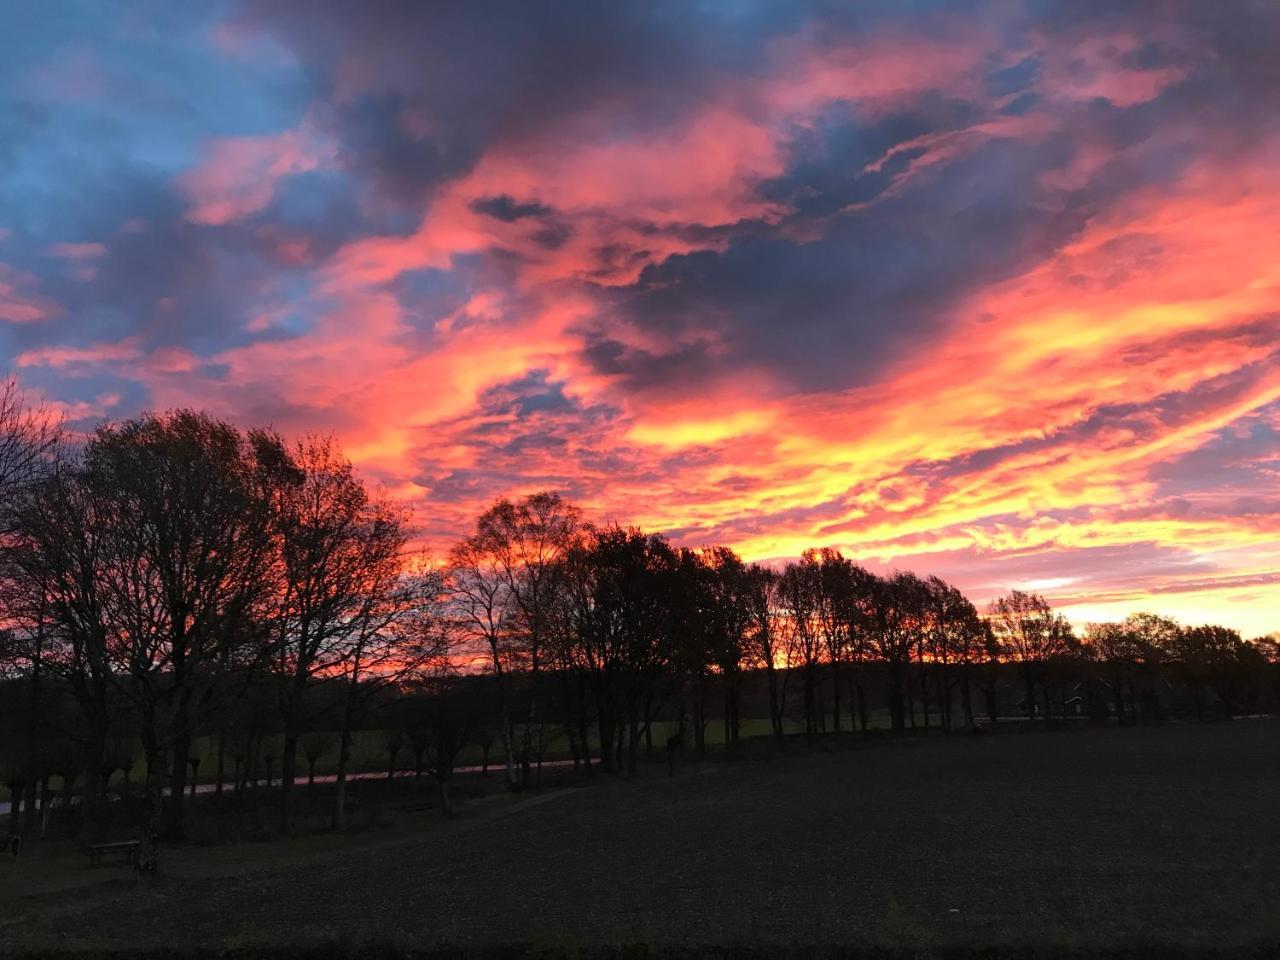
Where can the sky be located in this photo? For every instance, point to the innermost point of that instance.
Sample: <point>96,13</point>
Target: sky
<point>982,289</point>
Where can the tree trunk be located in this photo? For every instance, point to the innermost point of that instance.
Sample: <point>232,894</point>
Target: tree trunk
<point>775,709</point>
<point>180,728</point>
<point>513,778</point>
<point>178,782</point>
<point>633,744</point>
<point>531,719</point>
<point>34,723</point>
<point>944,697</point>
<point>582,733</point>
<point>30,792</point>
<point>835,695</point>
<point>909,687</point>
<point>95,750</point>
<point>340,783</point>
<point>648,725</point>
<point>897,715</point>
<point>924,684</point>
<point>699,720</point>
<point>16,792</point>
<point>606,744</point>
<point>153,792</point>
<point>966,701</point>
<point>810,704</point>
<point>446,802</point>
<point>221,764</point>
<point>288,765</point>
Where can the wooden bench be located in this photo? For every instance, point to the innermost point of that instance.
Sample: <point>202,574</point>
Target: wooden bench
<point>128,847</point>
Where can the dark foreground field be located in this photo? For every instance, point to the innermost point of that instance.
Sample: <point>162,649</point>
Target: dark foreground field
<point>1145,842</point>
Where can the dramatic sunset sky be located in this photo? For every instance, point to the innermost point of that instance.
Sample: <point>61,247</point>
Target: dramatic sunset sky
<point>987,290</point>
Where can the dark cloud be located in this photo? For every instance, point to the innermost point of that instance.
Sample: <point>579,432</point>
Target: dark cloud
<point>506,208</point>
<point>552,235</point>
<point>431,85</point>
<point>837,310</point>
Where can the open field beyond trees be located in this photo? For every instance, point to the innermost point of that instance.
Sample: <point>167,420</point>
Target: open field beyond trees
<point>1148,840</point>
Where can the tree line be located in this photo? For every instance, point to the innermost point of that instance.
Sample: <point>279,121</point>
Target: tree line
<point>172,576</point>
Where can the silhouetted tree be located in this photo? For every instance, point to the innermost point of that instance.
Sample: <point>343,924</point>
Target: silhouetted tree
<point>57,564</point>
<point>728,614</point>
<point>619,585</point>
<point>766,639</point>
<point>188,559</point>
<point>1031,635</point>
<point>898,620</point>
<point>339,564</point>
<point>800,591</point>
<point>403,630</point>
<point>955,636</point>
<point>527,541</point>
<point>483,609</point>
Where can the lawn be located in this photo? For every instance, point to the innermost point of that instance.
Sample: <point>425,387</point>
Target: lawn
<point>1150,840</point>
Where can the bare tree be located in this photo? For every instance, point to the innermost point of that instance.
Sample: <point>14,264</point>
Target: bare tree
<point>528,540</point>
<point>339,552</point>
<point>1129,653</point>
<point>188,557</point>
<point>766,639</point>
<point>401,631</point>
<point>800,590</point>
<point>1031,635</point>
<point>56,560</point>
<point>29,440</point>
<point>899,611</point>
<point>483,611</point>
<point>728,612</point>
<point>954,641</point>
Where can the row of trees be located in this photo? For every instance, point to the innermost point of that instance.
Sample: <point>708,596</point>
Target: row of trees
<point>629,625</point>
<point>172,575</point>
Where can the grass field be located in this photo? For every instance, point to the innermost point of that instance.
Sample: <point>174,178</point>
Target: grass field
<point>1145,841</point>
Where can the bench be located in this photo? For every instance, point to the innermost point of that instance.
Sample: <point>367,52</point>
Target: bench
<point>128,847</point>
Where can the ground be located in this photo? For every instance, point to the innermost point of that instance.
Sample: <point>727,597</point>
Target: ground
<point>1150,838</point>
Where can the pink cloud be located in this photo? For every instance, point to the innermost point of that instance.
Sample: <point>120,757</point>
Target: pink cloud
<point>79,358</point>
<point>19,303</point>
<point>78,252</point>
<point>81,257</point>
<point>1100,67</point>
<point>237,176</point>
